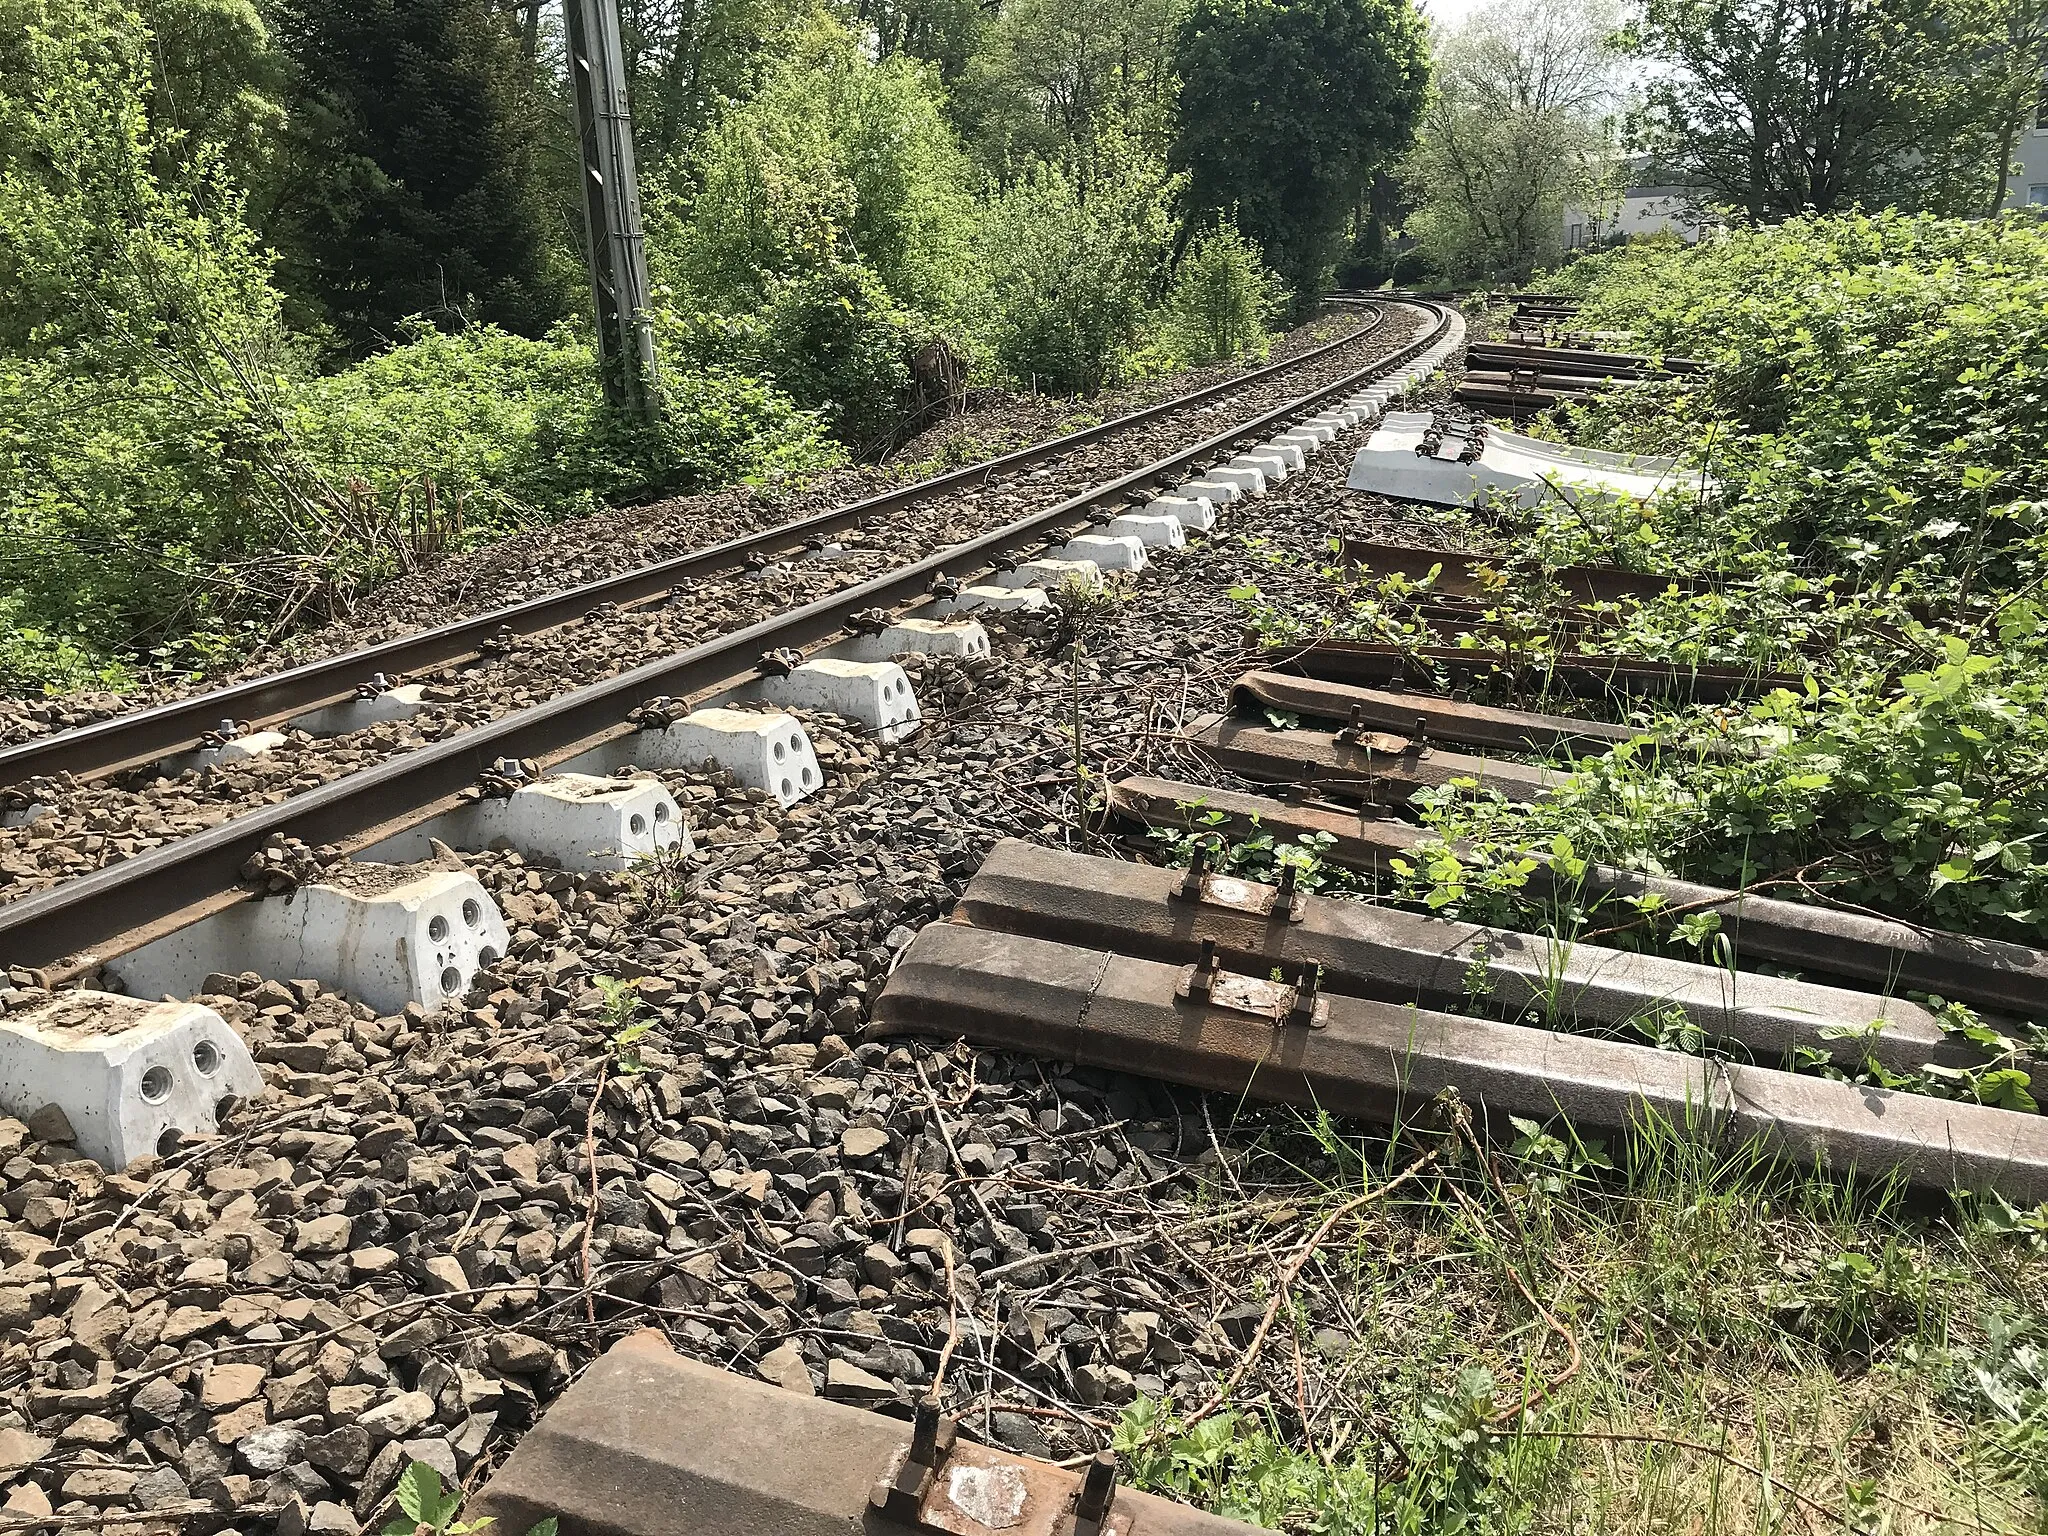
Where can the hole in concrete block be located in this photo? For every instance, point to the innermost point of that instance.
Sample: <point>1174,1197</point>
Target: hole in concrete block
<point>661,811</point>
<point>156,1085</point>
<point>787,789</point>
<point>473,914</point>
<point>437,929</point>
<point>487,956</point>
<point>796,744</point>
<point>637,825</point>
<point>168,1142</point>
<point>778,751</point>
<point>451,981</point>
<point>223,1107</point>
<point>806,777</point>
<point>206,1057</point>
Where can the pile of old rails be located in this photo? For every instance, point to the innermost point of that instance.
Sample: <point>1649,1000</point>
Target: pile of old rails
<point>1262,990</point>
<point>149,735</point>
<point>1521,377</point>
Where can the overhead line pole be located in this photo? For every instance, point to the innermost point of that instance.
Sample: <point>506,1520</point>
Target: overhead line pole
<point>611,206</point>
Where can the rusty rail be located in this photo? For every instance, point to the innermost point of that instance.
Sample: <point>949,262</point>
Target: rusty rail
<point>1427,717</point>
<point>1816,940</point>
<point>1280,1041</point>
<point>1368,765</point>
<point>648,1443</point>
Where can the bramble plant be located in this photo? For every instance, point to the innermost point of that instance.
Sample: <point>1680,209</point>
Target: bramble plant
<point>430,1510</point>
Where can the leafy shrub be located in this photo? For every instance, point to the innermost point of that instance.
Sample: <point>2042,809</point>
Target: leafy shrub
<point>1221,298</point>
<point>835,341</point>
<point>1075,271</point>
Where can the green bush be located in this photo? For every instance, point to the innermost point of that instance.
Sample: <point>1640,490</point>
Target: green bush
<point>1222,298</point>
<point>1075,273</point>
<point>834,341</point>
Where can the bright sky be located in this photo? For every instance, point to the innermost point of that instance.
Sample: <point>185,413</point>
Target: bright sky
<point>1448,13</point>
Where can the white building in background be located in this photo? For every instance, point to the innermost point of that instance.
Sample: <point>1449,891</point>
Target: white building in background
<point>2029,185</point>
<point>1651,205</point>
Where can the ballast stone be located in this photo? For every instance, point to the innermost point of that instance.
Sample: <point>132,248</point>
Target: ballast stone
<point>583,822</point>
<point>1154,530</point>
<point>420,939</point>
<point>876,693</point>
<point>127,1074</point>
<point>931,637</point>
<point>768,751</point>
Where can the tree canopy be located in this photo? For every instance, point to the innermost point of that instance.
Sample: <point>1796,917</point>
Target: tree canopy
<point>1287,107</point>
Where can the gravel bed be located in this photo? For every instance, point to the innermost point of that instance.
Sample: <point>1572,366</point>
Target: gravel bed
<point>548,559</point>
<point>82,827</point>
<point>423,1229</point>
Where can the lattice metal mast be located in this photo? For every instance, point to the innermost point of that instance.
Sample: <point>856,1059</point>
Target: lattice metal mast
<point>611,205</point>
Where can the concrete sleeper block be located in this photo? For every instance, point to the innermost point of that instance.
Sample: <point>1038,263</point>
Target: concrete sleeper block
<point>1054,572</point>
<point>932,637</point>
<point>131,1077</point>
<point>1001,599</point>
<point>238,750</point>
<point>1249,478</point>
<point>1154,530</point>
<point>1111,552</point>
<point>400,703</point>
<point>384,934</point>
<point>1218,493</point>
<point>1293,454</point>
<point>583,822</point>
<point>876,693</point>
<point>763,750</point>
<point>1273,465</point>
<point>1195,513</point>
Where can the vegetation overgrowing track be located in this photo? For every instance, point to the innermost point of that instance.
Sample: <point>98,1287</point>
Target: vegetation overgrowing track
<point>405,777</point>
<point>471,1204</point>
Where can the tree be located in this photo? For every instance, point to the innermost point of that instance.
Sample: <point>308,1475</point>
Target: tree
<point>1784,105</point>
<point>1050,75</point>
<point>1517,127</point>
<point>1287,107</point>
<point>418,186</point>
<point>686,58</point>
<point>2010,79</point>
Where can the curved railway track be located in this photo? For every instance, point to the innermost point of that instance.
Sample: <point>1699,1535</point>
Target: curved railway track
<point>67,927</point>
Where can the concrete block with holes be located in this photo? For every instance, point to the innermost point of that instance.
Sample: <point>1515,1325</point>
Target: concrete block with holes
<point>385,934</point>
<point>582,821</point>
<point>930,637</point>
<point>762,749</point>
<point>1110,551</point>
<point>1294,455</point>
<point>1196,514</point>
<point>1053,573</point>
<point>1342,417</point>
<point>1301,442</point>
<point>132,1077</point>
<point>875,693</point>
<point>1320,431</point>
<point>1154,530</point>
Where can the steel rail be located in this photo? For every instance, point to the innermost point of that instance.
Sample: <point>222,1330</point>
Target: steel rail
<point>56,928</point>
<point>127,741</point>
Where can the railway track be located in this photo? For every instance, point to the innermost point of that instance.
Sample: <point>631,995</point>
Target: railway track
<point>481,1192</point>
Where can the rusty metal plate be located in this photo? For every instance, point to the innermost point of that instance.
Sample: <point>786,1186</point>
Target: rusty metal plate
<point>977,1491</point>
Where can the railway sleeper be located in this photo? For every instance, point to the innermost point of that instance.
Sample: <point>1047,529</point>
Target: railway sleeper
<point>1428,716</point>
<point>1465,574</point>
<point>1856,946</point>
<point>1574,673</point>
<point>1283,1042</point>
<point>1371,766</point>
<point>1402,957</point>
<point>647,1442</point>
